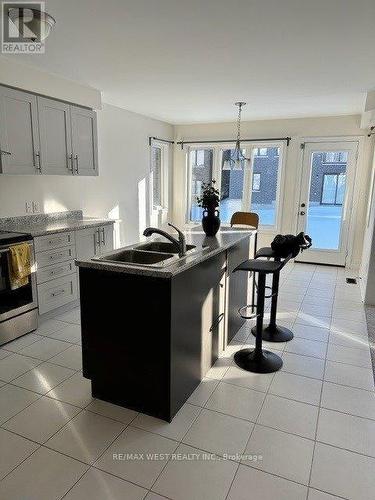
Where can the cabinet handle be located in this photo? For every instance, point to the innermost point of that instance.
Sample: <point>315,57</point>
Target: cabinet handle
<point>103,236</point>
<point>5,152</point>
<point>56,256</point>
<point>69,162</point>
<point>77,167</point>
<point>56,271</point>
<point>37,162</point>
<point>217,322</point>
<point>59,292</point>
<point>98,237</point>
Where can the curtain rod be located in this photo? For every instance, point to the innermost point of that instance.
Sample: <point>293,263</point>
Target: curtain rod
<point>150,139</point>
<point>273,139</point>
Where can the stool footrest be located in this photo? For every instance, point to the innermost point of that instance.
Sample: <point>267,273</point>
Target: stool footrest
<point>245,316</point>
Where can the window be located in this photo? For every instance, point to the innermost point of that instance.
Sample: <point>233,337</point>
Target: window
<point>255,187</point>
<point>333,189</point>
<point>336,157</point>
<point>159,174</point>
<point>201,164</point>
<point>260,151</point>
<point>256,182</point>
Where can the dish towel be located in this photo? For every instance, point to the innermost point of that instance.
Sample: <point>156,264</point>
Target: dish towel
<point>19,265</point>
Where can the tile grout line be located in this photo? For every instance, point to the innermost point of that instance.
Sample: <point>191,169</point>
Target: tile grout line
<point>252,431</point>
<point>317,420</point>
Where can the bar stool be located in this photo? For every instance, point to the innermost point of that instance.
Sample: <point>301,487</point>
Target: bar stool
<point>258,360</point>
<point>246,219</point>
<point>273,332</point>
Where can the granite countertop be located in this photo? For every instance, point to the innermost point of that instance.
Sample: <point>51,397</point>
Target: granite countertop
<point>47,225</point>
<point>225,238</point>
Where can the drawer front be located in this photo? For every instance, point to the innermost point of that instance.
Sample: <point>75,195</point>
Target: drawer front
<point>50,257</point>
<point>56,240</point>
<point>57,293</point>
<point>55,271</point>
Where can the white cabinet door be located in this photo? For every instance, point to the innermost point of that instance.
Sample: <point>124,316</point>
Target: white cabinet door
<point>84,141</point>
<point>106,238</point>
<point>19,134</point>
<point>55,137</point>
<point>93,241</point>
<point>87,243</point>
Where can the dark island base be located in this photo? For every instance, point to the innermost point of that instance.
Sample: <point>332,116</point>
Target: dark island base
<point>147,342</point>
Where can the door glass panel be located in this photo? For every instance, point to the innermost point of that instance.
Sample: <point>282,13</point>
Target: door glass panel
<point>201,161</point>
<point>340,189</point>
<point>266,164</point>
<point>329,189</point>
<point>327,192</point>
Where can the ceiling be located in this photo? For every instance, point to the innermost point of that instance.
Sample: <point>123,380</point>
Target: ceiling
<point>189,61</point>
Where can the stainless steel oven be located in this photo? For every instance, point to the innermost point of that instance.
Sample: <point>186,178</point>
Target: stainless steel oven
<point>18,308</point>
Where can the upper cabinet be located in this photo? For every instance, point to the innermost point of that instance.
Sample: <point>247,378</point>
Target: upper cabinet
<point>84,141</point>
<point>55,137</point>
<point>19,132</point>
<point>46,136</point>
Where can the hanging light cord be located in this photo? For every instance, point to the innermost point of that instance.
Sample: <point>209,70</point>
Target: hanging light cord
<point>239,124</point>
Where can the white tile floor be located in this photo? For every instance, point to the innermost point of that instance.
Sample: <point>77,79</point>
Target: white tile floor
<point>306,432</point>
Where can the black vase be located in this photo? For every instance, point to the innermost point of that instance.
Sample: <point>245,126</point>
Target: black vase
<point>211,222</point>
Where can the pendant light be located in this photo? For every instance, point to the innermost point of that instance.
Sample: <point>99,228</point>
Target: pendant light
<point>237,159</point>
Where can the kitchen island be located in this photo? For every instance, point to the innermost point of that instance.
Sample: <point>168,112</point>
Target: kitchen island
<point>151,333</point>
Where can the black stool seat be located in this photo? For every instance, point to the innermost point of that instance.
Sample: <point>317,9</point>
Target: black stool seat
<point>260,266</point>
<point>265,252</point>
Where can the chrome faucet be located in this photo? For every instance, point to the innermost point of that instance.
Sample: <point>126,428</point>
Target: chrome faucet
<point>180,243</point>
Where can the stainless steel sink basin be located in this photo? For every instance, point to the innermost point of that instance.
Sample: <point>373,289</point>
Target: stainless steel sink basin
<point>135,257</point>
<point>163,247</point>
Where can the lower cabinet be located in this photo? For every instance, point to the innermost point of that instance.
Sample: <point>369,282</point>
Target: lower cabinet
<point>94,241</point>
<point>57,277</point>
<point>57,292</point>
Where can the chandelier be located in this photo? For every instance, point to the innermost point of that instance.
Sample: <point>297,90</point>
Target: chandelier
<point>236,159</point>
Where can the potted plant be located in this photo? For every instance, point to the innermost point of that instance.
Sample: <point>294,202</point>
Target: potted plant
<point>209,201</point>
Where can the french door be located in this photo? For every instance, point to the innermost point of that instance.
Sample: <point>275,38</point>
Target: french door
<point>326,199</point>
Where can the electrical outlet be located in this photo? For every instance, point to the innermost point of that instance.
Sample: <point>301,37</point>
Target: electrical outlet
<point>36,207</point>
<point>29,207</point>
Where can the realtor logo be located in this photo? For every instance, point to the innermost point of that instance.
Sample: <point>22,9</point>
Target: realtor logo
<point>23,28</point>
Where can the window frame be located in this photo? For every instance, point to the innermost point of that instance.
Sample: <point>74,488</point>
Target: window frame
<point>164,166</point>
<point>249,151</point>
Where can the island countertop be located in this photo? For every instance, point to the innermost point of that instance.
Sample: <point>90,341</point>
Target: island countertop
<point>207,247</point>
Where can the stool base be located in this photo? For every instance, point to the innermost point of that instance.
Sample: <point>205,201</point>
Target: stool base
<point>276,334</point>
<point>267,362</point>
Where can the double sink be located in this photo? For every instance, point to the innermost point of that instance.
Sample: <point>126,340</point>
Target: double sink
<point>154,254</point>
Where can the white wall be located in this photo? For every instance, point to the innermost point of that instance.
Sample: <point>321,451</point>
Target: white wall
<point>32,79</point>
<point>297,129</point>
<point>124,165</point>
<point>367,270</point>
